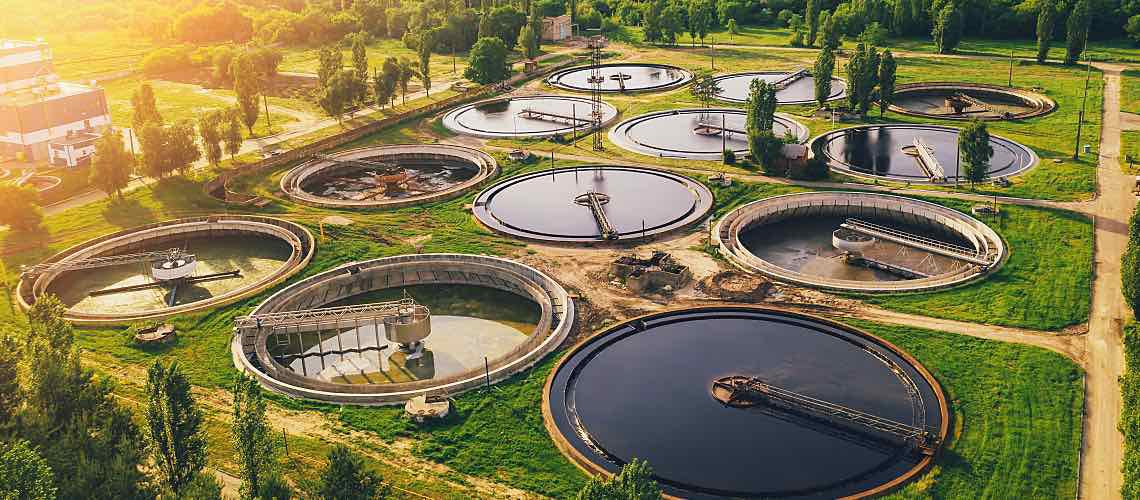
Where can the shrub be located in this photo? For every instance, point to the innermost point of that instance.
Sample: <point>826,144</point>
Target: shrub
<point>729,157</point>
<point>812,170</point>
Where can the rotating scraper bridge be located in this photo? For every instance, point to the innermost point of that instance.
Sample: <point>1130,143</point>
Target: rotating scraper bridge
<point>986,251</point>
<point>300,307</point>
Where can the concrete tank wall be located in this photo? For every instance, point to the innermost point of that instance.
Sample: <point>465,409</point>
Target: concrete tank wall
<point>556,320</point>
<point>938,219</point>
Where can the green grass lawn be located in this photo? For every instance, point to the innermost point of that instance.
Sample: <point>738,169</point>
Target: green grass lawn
<point>304,59</point>
<point>177,101</point>
<point>1045,284</point>
<point>1120,50</point>
<point>90,54</point>
<point>1130,412</point>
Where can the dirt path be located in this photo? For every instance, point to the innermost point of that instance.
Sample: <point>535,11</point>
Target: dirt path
<point>1103,447</point>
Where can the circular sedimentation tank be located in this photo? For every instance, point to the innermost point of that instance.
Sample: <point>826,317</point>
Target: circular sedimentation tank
<point>489,318</point>
<point>967,101</point>
<point>391,176</point>
<point>794,87</point>
<point>622,77</point>
<point>914,245</point>
<point>695,134</point>
<point>555,205</point>
<point>656,388</point>
<point>889,152</point>
<point>263,251</point>
<point>526,117</point>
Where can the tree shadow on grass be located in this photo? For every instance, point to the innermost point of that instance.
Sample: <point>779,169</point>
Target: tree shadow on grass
<point>127,212</point>
<point>31,243</point>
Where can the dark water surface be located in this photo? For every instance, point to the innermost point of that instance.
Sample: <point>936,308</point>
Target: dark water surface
<point>878,150</point>
<point>735,87</point>
<point>647,395</point>
<point>640,77</point>
<point>543,204</point>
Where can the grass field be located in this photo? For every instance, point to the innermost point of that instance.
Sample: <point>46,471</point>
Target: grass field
<point>1130,412</point>
<point>772,36</point>
<point>178,101</point>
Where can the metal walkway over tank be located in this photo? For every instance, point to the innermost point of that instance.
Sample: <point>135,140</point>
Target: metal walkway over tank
<point>791,78</point>
<point>748,391</point>
<point>595,200</point>
<point>112,260</point>
<point>929,163</point>
<point>920,242</point>
<point>554,117</point>
<point>315,319</point>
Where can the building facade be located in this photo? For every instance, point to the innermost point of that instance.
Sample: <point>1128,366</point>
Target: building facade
<point>41,116</point>
<point>556,29</point>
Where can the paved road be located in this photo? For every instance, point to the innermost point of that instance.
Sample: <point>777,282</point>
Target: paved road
<point>1103,446</point>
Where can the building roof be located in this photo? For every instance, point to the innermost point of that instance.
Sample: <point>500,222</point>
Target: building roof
<point>794,151</point>
<point>56,90</point>
<point>76,139</point>
<point>17,46</point>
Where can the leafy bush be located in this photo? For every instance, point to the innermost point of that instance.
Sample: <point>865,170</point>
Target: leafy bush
<point>812,170</point>
<point>1130,414</point>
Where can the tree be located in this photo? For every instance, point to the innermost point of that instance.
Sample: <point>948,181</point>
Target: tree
<point>231,132</point>
<point>338,95</point>
<point>384,83</point>
<point>92,444</point>
<point>407,72</point>
<point>1130,264</point>
<point>330,62</point>
<point>174,422</point>
<point>359,55</point>
<point>112,166</point>
<point>829,33</point>
<point>505,21</point>
<point>1077,30</point>
<point>144,108</point>
<point>535,23</point>
<point>18,208</point>
<point>210,130</point>
<point>181,147</point>
<point>947,27</point>
<point>426,44</point>
<point>672,22</point>
<point>974,142</point>
<point>862,76</point>
<point>247,87</point>
<point>702,19</point>
<point>634,482</point>
<point>887,69</point>
<point>811,16</point>
<point>1046,21</point>
<point>527,37</point>
<point>256,448</point>
<point>822,73</point>
<point>705,88</point>
<point>761,109</point>
<point>799,37</point>
<point>346,478</point>
<point>733,29</point>
<point>24,474</point>
<point>152,141</point>
<point>654,29</point>
<point>487,61</point>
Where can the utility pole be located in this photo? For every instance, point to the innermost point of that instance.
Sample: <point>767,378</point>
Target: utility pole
<point>268,124</point>
<point>1080,121</point>
<point>1084,100</point>
<point>1010,69</point>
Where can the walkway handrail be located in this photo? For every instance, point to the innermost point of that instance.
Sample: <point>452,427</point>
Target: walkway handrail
<point>331,315</point>
<point>917,241</point>
<point>96,262</point>
<point>928,161</point>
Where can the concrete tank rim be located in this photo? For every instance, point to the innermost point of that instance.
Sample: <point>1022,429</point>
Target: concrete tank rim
<point>591,468</point>
<point>720,97</point>
<point>449,118</point>
<point>1043,104</point>
<point>299,256</point>
<point>816,143</point>
<point>487,165</point>
<point>555,337</point>
<point>726,248</point>
<point>618,136</point>
<point>686,76</point>
<point>705,202</point>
